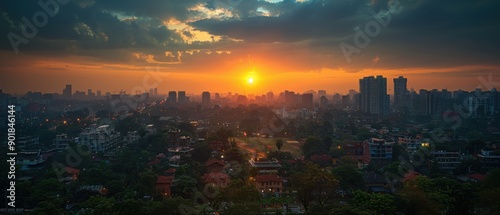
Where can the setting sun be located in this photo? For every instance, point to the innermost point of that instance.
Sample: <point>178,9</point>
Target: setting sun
<point>250,80</point>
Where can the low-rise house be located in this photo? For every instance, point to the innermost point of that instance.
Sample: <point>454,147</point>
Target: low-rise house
<point>376,183</point>
<point>269,183</point>
<point>265,166</point>
<point>164,184</point>
<point>214,165</point>
<point>359,151</point>
<point>220,179</point>
<point>489,159</point>
<point>446,160</point>
<point>380,151</point>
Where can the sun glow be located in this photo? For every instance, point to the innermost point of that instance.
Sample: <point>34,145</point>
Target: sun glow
<point>250,80</point>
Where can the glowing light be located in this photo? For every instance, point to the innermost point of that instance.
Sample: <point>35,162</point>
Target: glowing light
<point>250,80</point>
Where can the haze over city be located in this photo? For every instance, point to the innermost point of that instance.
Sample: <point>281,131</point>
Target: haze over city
<point>250,107</point>
<point>217,45</point>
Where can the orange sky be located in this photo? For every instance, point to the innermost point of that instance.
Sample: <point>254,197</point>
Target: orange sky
<point>297,45</point>
<point>50,75</point>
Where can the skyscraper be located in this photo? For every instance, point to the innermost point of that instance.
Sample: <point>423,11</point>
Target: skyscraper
<point>68,90</point>
<point>270,96</point>
<point>172,97</point>
<point>400,92</point>
<point>321,93</point>
<point>323,101</point>
<point>182,97</point>
<point>205,98</point>
<point>374,98</point>
<point>307,100</point>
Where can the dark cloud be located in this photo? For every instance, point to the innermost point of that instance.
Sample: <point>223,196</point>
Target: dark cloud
<point>426,33</point>
<point>313,20</point>
<point>150,8</point>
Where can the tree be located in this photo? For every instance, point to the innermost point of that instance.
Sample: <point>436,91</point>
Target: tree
<point>146,182</point>
<point>312,146</point>
<point>237,193</point>
<point>349,210</point>
<point>416,198</point>
<point>234,154</point>
<point>185,184</point>
<point>279,144</point>
<point>314,184</point>
<point>328,141</point>
<point>170,206</point>
<point>127,124</point>
<point>222,135</point>
<point>47,189</point>
<point>376,203</point>
<point>99,205</point>
<point>324,130</point>
<point>243,209</point>
<point>201,152</point>
<point>48,208</point>
<point>132,207</point>
<point>489,192</point>
<point>349,177</point>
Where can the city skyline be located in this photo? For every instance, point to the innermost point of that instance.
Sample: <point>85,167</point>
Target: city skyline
<point>250,106</point>
<point>219,45</point>
<point>162,90</point>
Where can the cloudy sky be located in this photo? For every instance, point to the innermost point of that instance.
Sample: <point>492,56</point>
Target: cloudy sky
<point>217,45</point>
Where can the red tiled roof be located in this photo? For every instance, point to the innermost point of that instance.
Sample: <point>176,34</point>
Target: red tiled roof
<point>477,176</point>
<point>71,170</point>
<point>164,179</point>
<point>268,178</point>
<point>214,161</point>
<point>170,171</point>
<point>409,176</point>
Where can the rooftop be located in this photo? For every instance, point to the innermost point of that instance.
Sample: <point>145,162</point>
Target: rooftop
<point>268,178</point>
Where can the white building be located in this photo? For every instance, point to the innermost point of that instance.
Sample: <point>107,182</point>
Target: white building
<point>132,137</point>
<point>62,141</point>
<point>99,138</point>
